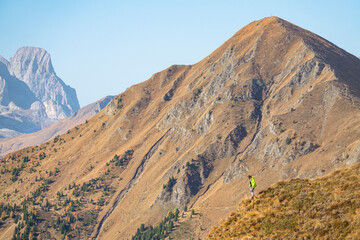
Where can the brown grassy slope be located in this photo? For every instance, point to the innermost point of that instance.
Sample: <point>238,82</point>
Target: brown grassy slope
<point>266,102</point>
<point>323,208</point>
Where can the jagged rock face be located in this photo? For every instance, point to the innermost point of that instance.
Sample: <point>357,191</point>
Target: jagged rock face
<point>13,90</point>
<point>31,95</point>
<point>269,102</point>
<point>33,66</point>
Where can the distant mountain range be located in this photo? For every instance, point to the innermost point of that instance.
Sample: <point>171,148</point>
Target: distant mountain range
<point>32,96</point>
<point>29,139</point>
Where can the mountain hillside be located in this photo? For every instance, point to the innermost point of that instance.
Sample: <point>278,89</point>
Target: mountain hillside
<point>324,208</point>
<point>274,101</point>
<point>8,145</point>
<point>32,96</point>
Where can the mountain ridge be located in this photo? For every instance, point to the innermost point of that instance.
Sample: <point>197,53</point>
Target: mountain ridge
<point>8,145</point>
<point>261,104</point>
<point>325,207</point>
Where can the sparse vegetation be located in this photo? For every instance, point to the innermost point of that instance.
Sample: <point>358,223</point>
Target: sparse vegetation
<point>161,231</point>
<point>169,95</point>
<point>124,159</point>
<point>169,185</point>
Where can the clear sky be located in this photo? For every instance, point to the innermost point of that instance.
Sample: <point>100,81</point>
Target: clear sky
<point>103,47</point>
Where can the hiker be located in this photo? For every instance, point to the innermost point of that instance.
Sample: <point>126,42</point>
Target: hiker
<point>252,185</point>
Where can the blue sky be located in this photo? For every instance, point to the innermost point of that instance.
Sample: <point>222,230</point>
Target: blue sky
<point>103,47</point>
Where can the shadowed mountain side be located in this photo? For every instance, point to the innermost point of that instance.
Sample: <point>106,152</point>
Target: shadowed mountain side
<point>25,140</point>
<point>273,101</point>
<point>14,90</point>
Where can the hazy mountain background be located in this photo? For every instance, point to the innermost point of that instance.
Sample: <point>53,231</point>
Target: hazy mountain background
<point>12,144</point>
<point>32,96</point>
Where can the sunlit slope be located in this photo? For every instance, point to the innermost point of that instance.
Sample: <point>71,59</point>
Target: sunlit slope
<point>324,208</point>
<point>274,101</point>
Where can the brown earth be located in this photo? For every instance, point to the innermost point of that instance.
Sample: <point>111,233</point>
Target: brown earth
<point>275,101</point>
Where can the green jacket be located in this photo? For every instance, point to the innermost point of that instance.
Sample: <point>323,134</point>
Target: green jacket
<point>252,182</point>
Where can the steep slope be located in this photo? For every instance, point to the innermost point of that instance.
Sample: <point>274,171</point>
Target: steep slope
<point>31,95</point>
<point>324,208</point>
<point>8,145</point>
<point>275,101</point>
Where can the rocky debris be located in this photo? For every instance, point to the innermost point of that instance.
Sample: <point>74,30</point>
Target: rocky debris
<point>237,169</point>
<point>205,123</point>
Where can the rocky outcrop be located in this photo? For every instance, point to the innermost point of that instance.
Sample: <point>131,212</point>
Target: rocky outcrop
<point>188,185</point>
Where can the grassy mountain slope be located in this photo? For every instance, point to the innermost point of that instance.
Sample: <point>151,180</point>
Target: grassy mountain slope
<point>323,208</point>
<point>275,101</point>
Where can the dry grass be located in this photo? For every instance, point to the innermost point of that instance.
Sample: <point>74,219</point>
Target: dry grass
<point>324,208</point>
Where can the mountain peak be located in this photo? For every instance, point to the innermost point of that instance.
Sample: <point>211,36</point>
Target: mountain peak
<point>33,66</point>
<point>31,60</point>
<point>30,82</point>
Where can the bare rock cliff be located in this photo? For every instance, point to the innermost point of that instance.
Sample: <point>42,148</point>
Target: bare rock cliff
<point>32,96</point>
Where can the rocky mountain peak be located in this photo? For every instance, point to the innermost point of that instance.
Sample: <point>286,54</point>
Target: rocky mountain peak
<point>29,61</point>
<point>32,96</point>
<point>33,66</point>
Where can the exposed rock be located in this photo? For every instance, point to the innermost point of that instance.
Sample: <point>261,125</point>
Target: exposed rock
<point>33,66</point>
<point>205,123</point>
<point>237,169</point>
<point>233,140</point>
<point>31,91</point>
<point>189,184</point>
